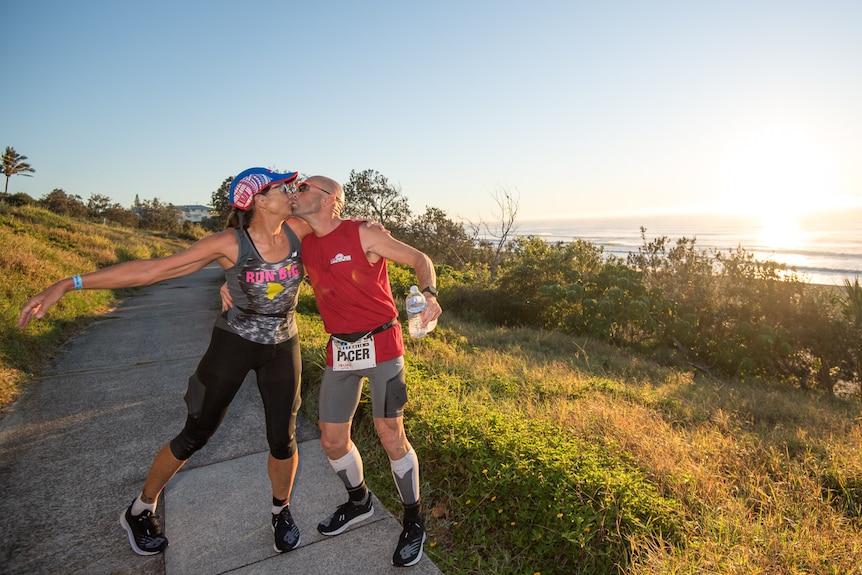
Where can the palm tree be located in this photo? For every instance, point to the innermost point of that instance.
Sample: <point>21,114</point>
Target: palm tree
<point>13,163</point>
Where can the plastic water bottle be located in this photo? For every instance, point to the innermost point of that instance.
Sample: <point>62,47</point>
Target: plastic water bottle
<point>415,304</point>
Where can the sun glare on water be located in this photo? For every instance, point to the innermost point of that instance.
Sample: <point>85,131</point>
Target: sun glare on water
<point>777,176</point>
<point>780,231</point>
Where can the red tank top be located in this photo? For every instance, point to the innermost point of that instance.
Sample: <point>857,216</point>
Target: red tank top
<point>352,294</point>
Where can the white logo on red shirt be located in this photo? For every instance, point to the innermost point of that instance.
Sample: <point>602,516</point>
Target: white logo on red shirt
<point>339,258</point>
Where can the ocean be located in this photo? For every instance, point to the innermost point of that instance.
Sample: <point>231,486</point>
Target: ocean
<point>824,247</point>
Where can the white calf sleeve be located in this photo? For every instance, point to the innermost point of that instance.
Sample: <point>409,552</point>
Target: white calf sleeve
<point>405,471</point>
<point>349,468</point>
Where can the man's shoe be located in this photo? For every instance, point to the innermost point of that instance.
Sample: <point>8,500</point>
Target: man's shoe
<point>346,515</point>
<point>144,531</point>
<point>286,532</point>
<point>409,549</point>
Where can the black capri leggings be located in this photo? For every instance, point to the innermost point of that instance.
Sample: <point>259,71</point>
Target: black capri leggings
<point>218,377</point>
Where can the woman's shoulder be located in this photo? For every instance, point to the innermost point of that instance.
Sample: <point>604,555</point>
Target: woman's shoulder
<point>228,236</point>
<point>223,243</point>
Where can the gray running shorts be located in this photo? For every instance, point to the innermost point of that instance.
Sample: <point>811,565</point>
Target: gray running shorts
<point>340,391</point>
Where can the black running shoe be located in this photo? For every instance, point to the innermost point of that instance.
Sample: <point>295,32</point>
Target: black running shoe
<point>346,515</point>
<point>286,532</point>
<point>145,533</point>
<point>409,549</point>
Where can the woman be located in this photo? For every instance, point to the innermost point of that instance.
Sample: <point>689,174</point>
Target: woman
<point>260,254</point>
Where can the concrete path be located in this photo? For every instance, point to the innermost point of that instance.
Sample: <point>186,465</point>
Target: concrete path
<point>76,446</point>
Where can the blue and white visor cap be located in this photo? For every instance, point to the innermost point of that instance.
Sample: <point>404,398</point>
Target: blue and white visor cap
<point>251,181</point>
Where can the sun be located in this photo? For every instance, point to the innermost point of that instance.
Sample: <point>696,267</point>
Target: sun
<point>776,175</point>
<point>780,231</point>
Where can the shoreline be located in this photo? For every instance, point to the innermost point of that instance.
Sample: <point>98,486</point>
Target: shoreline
<point>825,252</point>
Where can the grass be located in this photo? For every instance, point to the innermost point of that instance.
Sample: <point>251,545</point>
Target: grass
<point>545,454</point>
<point>40,248</point>
<point>542,453</point>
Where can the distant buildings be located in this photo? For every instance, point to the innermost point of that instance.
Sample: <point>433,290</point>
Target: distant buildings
<point>195,213</point>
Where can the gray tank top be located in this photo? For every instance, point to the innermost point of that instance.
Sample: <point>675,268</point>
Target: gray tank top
<point>264,294</point>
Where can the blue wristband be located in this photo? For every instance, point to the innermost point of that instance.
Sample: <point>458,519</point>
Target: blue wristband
<point>77,281</point>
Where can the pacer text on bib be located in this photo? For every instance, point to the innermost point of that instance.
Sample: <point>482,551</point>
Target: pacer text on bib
<point>350,356</point>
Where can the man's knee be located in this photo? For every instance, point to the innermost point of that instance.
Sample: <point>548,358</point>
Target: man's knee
<point>334,439</point>
<point>333,447</point>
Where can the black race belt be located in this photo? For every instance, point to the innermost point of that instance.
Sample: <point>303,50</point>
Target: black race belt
<point>357,335</point>
<point>252,312</point>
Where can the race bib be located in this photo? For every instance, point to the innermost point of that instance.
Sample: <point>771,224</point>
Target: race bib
<point>351,356</point>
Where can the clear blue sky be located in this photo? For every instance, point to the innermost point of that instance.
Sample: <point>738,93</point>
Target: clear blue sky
<point>580,108</point>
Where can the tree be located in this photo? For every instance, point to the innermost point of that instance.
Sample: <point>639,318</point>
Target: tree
<point>495,237</point>
<point>368,194</point>
<point>160,217</point>
<point>97,205</point>
<point>219,202</point>
<point>445,241</point>
<point>117,213</point>
<point>13,163</point>
<point>59,202</point>
<point>101,208</point>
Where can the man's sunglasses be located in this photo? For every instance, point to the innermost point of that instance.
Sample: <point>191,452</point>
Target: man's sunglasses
<point>303,187</point>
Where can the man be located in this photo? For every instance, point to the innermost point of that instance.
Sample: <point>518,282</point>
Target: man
<point>346,263</point>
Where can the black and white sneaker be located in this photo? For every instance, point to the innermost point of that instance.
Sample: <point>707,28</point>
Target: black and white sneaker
<point>409,549</point>
<point>346,515</point>
<point>145,533</point>
<point>286,532</point>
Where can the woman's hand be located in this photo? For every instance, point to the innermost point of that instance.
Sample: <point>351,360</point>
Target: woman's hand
<point>226,301</point>
<point>38,305</point>
<point>373,224</point>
